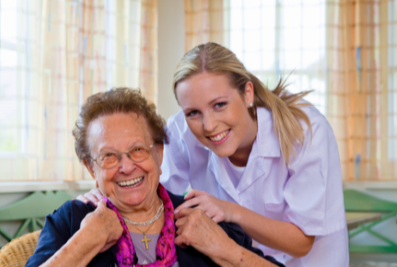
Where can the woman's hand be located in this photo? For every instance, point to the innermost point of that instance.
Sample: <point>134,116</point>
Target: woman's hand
<point>99,230</point>
<point>218,210</point>
<point>102,224</point>
<point>196,229</point>
<point>94,196</point>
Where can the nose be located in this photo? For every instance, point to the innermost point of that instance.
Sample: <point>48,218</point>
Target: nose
<point>209,122</point>
<point>126,164</point>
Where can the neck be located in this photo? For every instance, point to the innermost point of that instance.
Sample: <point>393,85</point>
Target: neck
<point>241,156</point>
<point>141,213</point>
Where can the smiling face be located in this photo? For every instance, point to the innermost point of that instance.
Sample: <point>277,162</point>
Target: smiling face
<point>218,115</point>
<point>128,184</point>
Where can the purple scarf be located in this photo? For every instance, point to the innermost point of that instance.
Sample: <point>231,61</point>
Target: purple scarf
<point>165,249</point>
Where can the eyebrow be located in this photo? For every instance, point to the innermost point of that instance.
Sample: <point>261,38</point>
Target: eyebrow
<point>108,148</point>
<point>210,103</point>
<point>216,99</point>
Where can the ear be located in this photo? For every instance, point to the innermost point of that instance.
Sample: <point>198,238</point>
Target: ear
<point>249,94</point>
<point>90,167</point>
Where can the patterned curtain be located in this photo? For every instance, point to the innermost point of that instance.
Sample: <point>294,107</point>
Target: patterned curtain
<point>362,102</point>
<point>53,55</point>
<point>344,50</point>
<point>204,22</point>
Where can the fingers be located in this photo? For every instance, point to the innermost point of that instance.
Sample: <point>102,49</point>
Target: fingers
<point>183,213</point>
<point>94,196</point>
<point>97,193</point>
<point>179,242</point>
<point>188,204</point>
<point>102,204</point>
<point>194,193</point>
<point>180,223</point>
<point>82,199</point>
<point>217,218</point>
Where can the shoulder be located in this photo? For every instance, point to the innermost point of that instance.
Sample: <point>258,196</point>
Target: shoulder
<point>179,132</point>
<point>177,123</point>
<point>318,122</point>
<point>71,213</point>
<point>176,199</point>
<point>315,116</point>
<point>59,226</point>
<point>75,207</point>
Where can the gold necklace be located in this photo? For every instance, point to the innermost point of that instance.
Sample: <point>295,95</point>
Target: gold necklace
<point>145,239</point>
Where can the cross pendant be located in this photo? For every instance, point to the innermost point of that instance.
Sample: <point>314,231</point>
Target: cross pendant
<point>145,239</point>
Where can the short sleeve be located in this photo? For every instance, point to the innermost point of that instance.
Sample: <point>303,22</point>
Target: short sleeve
<point>313,191</point>
<point>175,166</point>
<point>55,233</point>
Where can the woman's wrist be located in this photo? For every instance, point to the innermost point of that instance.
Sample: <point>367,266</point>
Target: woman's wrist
<point>93,238</point>
<point>235,213</point>
<point>230,255</point>
<point>78,251</point>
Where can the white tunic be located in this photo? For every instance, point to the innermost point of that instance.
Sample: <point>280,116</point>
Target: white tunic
<point>307,193</point>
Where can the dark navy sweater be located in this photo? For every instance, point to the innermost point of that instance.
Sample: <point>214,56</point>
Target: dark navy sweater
<point>63,223</point>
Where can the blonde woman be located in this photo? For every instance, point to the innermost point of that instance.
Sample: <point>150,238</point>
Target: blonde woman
<point>266,160</point>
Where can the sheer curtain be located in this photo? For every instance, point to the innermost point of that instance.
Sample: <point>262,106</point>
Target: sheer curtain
<point>204,22</point>
<point>363,82</point>
<point>53,55</point>
<point>344,50</point>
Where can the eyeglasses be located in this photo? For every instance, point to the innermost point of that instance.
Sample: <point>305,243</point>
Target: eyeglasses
<point>137,153</point>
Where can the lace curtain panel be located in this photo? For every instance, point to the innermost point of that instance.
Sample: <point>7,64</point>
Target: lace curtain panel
<point>53,55</point>
<point>344,50</point>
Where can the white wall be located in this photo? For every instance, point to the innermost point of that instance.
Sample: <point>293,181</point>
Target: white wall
<point>171,48</point>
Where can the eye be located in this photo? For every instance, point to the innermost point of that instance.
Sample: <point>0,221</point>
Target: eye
<point>107,156</point>
<point>220,104</point>
<point>192,113</point>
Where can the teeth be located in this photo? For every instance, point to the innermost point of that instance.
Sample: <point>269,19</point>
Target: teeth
<point>219,136</point>
<point>132,182</point>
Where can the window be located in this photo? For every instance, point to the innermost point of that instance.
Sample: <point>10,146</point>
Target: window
<point>9,57</point>
<point>53,55</point>
<point>282,39</point>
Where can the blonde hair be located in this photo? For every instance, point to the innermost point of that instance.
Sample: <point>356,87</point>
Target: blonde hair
<point>285,108</point>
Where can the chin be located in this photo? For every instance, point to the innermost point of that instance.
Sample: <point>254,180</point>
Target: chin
<point>223,153</point>
<point>131,200</point>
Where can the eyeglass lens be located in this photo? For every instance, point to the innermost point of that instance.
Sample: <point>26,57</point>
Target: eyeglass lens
<point>109,159</point>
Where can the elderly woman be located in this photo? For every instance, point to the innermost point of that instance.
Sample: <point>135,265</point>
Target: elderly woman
<point>119,138</point>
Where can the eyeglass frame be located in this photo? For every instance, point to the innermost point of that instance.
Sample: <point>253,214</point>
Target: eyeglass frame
<point>119,154</point>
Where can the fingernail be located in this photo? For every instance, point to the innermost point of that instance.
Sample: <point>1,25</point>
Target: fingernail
<point>176,211</point>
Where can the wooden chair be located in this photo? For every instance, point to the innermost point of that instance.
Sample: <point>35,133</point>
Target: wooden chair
<point>17,252</point>
<point>356,201</point>
<point>31,211</point>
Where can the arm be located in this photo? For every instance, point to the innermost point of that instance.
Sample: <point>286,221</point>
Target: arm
<point>58,245</point>
<point>78,251</point>
<point>197,230</point>
<point>312,175</point>
<point>283,236</point>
